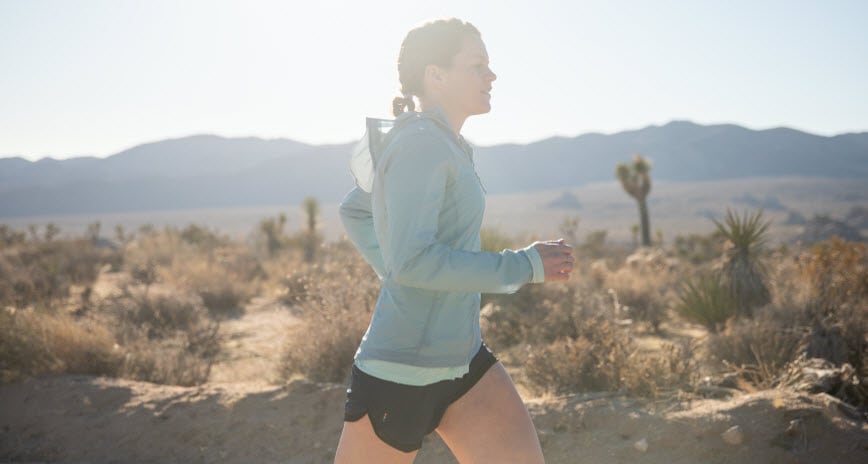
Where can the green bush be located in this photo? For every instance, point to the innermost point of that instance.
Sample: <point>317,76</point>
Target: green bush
<point>705,300</point>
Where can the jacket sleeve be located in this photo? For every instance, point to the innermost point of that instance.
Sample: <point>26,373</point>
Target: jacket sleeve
<point>415,180</point>
<point>355,211</point>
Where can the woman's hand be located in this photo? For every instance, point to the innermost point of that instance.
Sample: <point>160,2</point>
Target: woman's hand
<point>557,258</point>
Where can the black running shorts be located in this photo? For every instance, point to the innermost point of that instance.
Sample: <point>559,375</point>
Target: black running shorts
<point>403,414</point>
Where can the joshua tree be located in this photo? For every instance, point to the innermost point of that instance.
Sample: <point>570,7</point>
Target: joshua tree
<point>637,183</point>
<point>272,230</point>
<point>311,239</point>
<point>743,272</point>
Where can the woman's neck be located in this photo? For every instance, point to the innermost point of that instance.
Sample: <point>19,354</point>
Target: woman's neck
<point>456,121</point>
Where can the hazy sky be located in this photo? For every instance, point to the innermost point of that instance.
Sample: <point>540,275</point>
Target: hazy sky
<point>97,77</point>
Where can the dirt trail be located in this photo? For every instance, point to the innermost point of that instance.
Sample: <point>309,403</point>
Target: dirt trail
<point>252,343</point>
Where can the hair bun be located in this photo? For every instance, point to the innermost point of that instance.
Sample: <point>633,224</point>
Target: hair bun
<point>399,103</point>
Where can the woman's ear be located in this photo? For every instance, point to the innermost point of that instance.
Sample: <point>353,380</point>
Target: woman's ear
<point>433,75</point>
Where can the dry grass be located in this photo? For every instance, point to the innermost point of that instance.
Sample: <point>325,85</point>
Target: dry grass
<point>335,298</point>
<point>572,337</point>
<point>583,347</point>
<point>40,274</point>
<point>34,343</point>
<point>759,349</point>
<point>645,285</point>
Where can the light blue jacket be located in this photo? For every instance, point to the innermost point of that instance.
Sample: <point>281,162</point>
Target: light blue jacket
<point>419,230</point>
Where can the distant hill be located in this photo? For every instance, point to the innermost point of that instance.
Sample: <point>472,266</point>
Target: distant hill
<point>679,151</point>
<point>210,171</point>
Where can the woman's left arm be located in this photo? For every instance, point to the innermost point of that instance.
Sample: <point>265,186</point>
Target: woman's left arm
<point>355,211</point>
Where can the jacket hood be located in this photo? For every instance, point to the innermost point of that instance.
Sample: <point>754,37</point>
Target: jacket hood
<point>379,133</point>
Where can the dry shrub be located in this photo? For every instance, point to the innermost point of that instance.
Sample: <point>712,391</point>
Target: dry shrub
<point>644,287</point>
<point>534,313</point>
<point>183,359</point>
<point>699,248</point>
<point>198,261</point>
<point>40,274</point>
<point>161,338</point>
<point>836,272</point>
<point>492,239</point>
<point>593,361</point>
<point>825,316</point>
<point>760,349</point>
<point>34,343</point>
<point>576,343</point>
<point>223,285</point>
<point>600,356</point>
<point>166,339</point>
<point>339,296</point>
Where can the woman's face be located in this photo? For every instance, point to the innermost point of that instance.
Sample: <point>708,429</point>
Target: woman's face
<point>464,88</point>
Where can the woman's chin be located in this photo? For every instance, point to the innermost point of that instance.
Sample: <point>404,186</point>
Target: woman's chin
<point>483,108</point>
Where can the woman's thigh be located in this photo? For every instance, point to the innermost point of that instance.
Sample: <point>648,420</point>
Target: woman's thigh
<point>360,444</point>
<point>490,423</point>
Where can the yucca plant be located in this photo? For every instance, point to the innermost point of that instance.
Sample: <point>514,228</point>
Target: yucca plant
<point>637,183</point>
<point>744,273</point>
<point>707,301</point>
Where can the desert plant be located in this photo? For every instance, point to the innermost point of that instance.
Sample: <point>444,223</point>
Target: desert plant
<point>166,339</point>
<point>743,272</point>
<point>759,349</point>
<point>568,228</point>
<point>594,245</point>
<point>41,273</point>
<point>202,237</point>
<point>225,278</point>
<point>271,231</point>
<point>836,273</point>
<point>312,239</point>
<point>492,239</point>
<point>34,343</point>
<point>10,237</point>
<point>699,248</point>
<point>339,296</point>
<point>636,182</point>
<point>706,300</point>
<point>601,358</point>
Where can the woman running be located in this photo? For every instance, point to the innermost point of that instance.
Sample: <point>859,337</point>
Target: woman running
<point>415,216</point>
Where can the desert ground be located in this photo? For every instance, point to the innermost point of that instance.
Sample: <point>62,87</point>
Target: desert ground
<point>241,415</point>
<point>247,411</point>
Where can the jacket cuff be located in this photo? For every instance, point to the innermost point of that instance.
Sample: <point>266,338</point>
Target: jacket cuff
<point>539,273</point>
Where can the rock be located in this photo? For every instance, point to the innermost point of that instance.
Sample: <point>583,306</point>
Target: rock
<point>733,436</point>
<point>641,445</point>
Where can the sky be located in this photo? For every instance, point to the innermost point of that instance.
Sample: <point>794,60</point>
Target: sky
<point>93,78</point>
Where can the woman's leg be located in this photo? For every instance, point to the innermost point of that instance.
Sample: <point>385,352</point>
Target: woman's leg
<point>359,444</point>
<point>490,423</point>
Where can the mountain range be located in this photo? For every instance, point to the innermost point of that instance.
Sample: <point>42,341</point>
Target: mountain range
<point>204,171</point>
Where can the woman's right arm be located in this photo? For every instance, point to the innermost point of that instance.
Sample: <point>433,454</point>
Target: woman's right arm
<point>415,181</point>
<point>355,211</point>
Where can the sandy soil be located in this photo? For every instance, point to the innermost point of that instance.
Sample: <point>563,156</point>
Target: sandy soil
<point>241,416</point>
<point>87,419</point>
<point>251,344</point>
